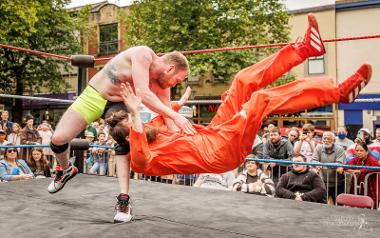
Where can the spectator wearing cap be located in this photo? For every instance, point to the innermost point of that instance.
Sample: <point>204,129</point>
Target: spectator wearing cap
<point>341,138</point>
<point>29,135</point>
<point>253,180</point>
<point>301,183</point>
<point>377,139</point>
<point>7,125</point>
<point>363,136</point>
<point>88,156</point>
<point>3,141</point>
<point>91,128</point>
<point>12,168</point>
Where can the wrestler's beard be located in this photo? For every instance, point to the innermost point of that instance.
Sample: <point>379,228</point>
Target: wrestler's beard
<point>161,82</point>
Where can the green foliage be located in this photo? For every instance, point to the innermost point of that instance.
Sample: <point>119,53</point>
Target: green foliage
<point>43,25</point>
<point>167,25</point>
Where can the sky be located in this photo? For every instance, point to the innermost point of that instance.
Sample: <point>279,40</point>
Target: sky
<point>290,4</point>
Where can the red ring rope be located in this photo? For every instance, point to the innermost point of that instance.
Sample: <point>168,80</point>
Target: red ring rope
<point>34,52</point>
<point>193,51</point>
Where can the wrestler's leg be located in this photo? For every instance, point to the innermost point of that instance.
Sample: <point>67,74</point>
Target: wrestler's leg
<point>267,71</point>
<point>123,208</point>
<point>69,126</point>
<point>86,108</point>
<point>123,171</point>
<point>300,95</point>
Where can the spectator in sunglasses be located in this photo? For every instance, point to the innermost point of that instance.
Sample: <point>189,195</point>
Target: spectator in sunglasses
<point>12,168</point>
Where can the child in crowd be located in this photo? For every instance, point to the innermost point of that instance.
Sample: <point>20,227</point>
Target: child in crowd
<point>100,155</point>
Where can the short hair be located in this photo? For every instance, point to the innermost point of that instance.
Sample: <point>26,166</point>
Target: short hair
<point>101,133</point>
<point>275,129</point>
<point>308,126</point>
<point>178,59</point>
<point>328,133</point>
<point>299,155</point>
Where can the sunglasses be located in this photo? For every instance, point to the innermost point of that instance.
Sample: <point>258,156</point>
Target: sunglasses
<point>11,150</point>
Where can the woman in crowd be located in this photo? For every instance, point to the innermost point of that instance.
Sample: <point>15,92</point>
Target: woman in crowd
<point>253,180</point>
<point>15,136</point>
<point>365,159</point>
<point>38,163</point>
<point>12,168</point>
<point>293,135</point>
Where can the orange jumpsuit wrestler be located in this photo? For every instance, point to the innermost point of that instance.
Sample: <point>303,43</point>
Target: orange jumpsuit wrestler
<point>224,144</point>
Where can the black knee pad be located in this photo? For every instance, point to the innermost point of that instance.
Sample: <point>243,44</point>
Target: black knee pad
<point>122,149</point>
<point>59,148</point>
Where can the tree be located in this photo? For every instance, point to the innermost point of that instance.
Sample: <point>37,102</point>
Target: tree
<point>203,24</point>
<point>43,25</point>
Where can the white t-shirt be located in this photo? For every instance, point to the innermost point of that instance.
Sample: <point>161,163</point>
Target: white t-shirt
<point>306,149</point>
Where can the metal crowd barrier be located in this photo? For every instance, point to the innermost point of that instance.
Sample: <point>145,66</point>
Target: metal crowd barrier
<point>361,188</point>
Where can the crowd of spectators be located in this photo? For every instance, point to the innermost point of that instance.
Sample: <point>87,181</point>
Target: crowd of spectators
<point>298,182</point>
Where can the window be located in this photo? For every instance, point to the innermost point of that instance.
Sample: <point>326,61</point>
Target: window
<point>316,65</point>
<point>108,39</point>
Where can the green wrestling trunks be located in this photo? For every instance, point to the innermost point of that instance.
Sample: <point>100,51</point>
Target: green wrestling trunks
<point>90,104</point>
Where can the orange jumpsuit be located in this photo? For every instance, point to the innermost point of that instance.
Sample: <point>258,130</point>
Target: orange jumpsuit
<point>227,140</point>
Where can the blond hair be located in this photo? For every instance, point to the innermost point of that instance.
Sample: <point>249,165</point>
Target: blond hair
<point>178,59</point>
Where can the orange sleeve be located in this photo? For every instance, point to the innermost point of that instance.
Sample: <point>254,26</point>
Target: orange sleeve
<point>175,106</point>
<point>140,152</point>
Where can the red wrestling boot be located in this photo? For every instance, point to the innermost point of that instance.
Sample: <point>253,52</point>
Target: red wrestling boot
<point>350,88</point>
<point>312,44</point>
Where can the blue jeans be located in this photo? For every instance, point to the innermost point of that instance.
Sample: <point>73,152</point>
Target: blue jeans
<point>101,167</point>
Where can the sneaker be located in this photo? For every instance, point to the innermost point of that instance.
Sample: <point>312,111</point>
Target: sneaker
<point>312,44</point>
<point>123,209</point>
<point>350,88</point>
<point>62,177</point>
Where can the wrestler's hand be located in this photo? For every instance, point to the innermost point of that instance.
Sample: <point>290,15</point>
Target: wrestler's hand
<point>184,124</point>
<point>130,99</point>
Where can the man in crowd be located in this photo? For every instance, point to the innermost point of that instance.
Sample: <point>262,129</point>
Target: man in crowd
<point>7,125</point>
<point>329,152</point>
<point>279,149</point>
<point>341,138</point>
<point>301,184</point>
<point>29,135</point>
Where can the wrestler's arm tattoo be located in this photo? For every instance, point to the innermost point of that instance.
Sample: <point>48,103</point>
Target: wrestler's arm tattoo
<point>110,71</point>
